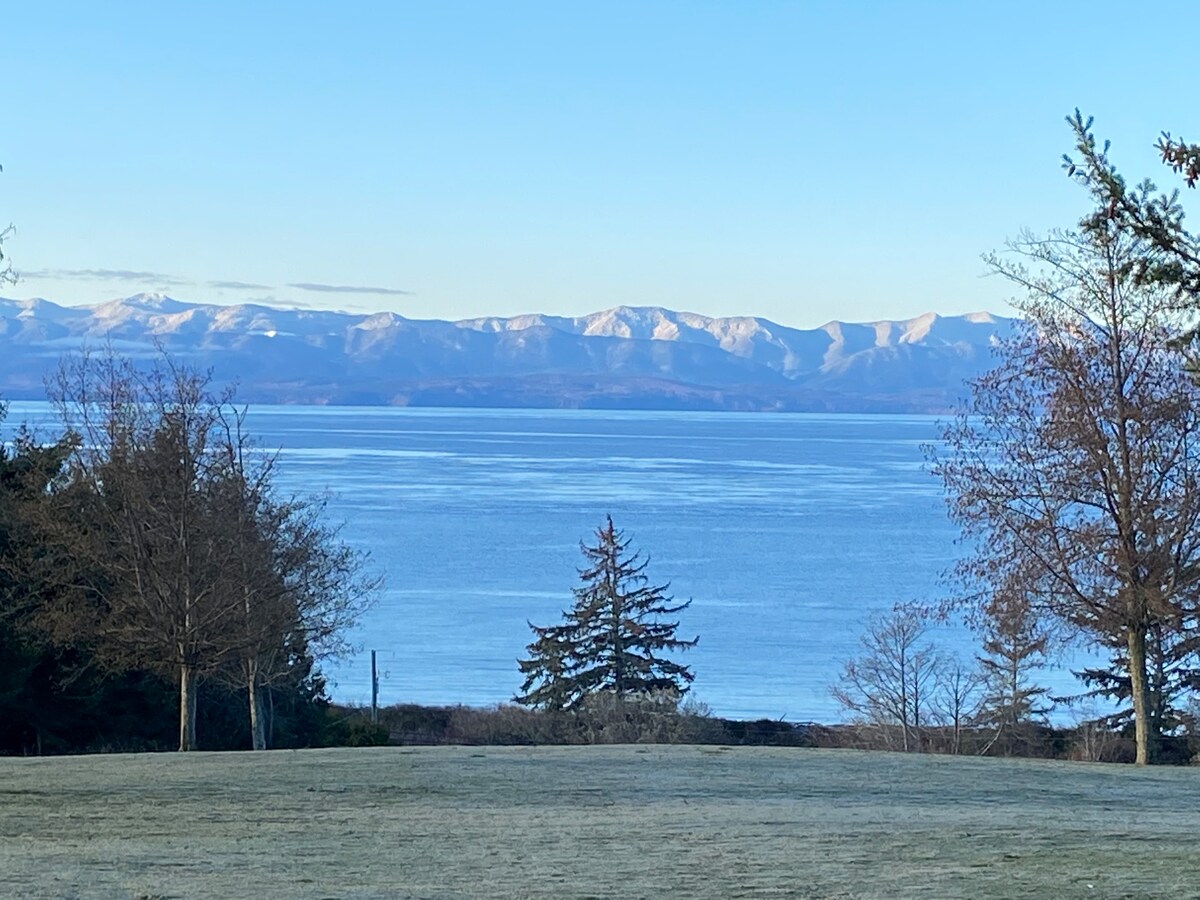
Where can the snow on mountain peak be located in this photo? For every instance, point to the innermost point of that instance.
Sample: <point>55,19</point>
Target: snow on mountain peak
<point>140,307</point>
<point>980,318</point>
<point>156,302</point>
<point>35,307</point>
<point>366,351</point>
<point>379,321</point>
<point>917,330</point>
<point>625,322</point>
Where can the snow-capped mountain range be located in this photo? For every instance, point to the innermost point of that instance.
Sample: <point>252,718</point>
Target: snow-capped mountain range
<point>634,357</point>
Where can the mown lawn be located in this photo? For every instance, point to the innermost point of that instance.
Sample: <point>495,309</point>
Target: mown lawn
<point>626,821</point>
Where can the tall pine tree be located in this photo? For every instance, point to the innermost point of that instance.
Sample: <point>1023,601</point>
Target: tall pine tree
<point>613,639</point>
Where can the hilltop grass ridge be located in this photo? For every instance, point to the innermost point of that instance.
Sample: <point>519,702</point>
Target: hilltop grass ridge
<point>623,357</point>
<point>613,821</point>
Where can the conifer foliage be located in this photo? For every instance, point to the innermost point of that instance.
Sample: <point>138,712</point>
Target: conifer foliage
<point>613,639</point>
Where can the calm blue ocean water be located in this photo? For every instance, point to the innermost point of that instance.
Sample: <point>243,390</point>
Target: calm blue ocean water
<point>786,532</point>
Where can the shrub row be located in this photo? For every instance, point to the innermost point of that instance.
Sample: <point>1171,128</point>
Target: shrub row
<point>610,721</point>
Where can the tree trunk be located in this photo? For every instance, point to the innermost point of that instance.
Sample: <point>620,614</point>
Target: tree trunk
<point>258,735</point>
<point>187,707</point>
<point>916,712</point>
<point>1140,692</point>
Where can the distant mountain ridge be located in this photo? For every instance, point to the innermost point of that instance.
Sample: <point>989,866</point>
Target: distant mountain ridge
<point>627,357</point>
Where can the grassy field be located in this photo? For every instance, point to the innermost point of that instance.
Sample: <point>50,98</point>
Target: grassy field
<point>593,821</point>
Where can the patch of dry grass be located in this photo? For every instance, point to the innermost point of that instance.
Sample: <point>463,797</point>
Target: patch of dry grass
<point>626,821</point>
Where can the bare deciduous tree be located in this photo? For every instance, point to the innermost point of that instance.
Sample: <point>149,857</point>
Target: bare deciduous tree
<point>186,561</point>
<point>957,699</point>
<point>1075,468</point>
<point>141,470</point>
<point>301,587</point>
<point>893,683</point>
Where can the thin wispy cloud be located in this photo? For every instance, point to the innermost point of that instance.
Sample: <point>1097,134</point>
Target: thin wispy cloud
<point>126,275</point>
<point>348,289</point>
<point>237,286</point>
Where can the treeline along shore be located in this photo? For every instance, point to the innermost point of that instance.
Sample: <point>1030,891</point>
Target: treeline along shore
<point>153,577</point>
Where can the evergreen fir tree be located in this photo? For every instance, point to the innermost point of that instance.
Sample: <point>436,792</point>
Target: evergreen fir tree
<point>1172,673</point>
<point>612,640</point>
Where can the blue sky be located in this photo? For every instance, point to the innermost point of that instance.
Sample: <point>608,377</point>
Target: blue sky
<point>799,161</point>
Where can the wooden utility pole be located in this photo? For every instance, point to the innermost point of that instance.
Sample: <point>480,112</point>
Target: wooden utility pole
<point>374,691</point>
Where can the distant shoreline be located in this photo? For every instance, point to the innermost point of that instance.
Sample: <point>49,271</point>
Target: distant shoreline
<point>717,402</point>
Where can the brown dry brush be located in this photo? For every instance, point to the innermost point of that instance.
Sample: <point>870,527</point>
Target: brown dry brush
<point>624,722</point>
<point>601,720</point>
